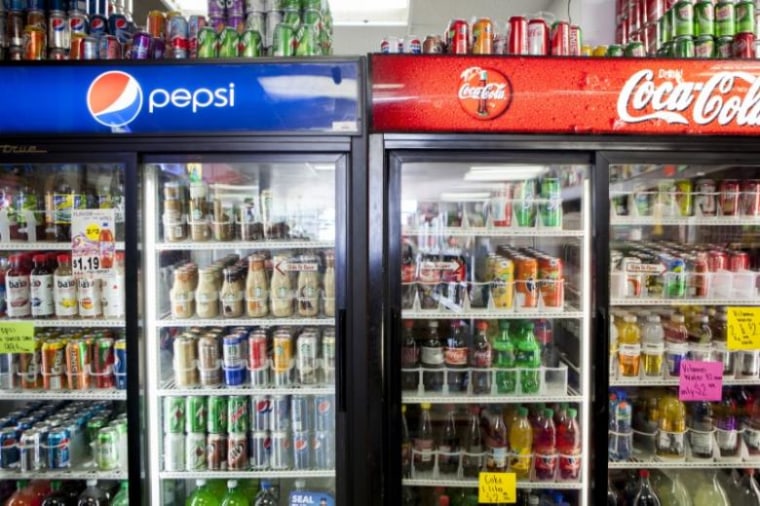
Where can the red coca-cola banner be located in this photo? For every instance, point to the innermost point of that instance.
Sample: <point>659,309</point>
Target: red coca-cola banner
<point>427,93</point>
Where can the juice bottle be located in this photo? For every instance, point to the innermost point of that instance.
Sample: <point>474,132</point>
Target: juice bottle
<point>701,436</point>
<point>256,288</point>
<point>653,346</point>
<point>107,246</point>
<point>481,361</point>
<point>676,335</point>
<point>521,443</point>
<point>569,446</point>
<point>17,289</point>
<point>23,496</point>
<point>720,343</point>
<point>726,425</point>
<point>65,288</point>
<point>672,425</point>
<point>41,288</point>
<point>504,358</point>
<point>629,346</point>
<point>545,446</point>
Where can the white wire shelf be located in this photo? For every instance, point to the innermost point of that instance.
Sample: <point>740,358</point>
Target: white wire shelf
<point>569,312</point>
<point>70,322</point>
<point>473,483</point>
<point>632,301</point>
<point>492,232</point>
<point>665,382</point>
<point>43,246</point>
<point>488,399</point>
<point>704,221</point>
<point>684,464</point>
<point>211,475</point>
<point>103,394</point>
<point>248,322</point>
<point>168,388</point>
<point>233,245</point>
<point>85,472</point>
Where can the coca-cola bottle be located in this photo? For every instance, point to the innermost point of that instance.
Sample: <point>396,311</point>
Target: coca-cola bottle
<point>482,358</point>
<point>448,448</point>
<point>424,444</point>
<point>472,459</point>
<point>432,358</point>
<point>410,358</point>
<point>455,357</point>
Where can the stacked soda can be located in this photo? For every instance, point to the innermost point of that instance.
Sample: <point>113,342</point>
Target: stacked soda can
<point>687,28</point>
<point>241,432</point>
<point>519,35</point>
<point>63,434</point>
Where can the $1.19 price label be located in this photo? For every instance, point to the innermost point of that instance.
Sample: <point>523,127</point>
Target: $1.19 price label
<point>93,244</point>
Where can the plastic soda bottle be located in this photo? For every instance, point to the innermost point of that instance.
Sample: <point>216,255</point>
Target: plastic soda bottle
<point>234,496</point>
<point>521,443</point>
<point>406,444</point>
<point>504,358</point>
<point>545,446</point>
<point>629,347</point>
<point>93,495</point>
<point>645,495</point>
<point>431,357</point>
<point>710,493</point>
<point>455,355</point>
<point>472,459</point>
<point>203,495</point>
<point>498,445</point>
<point>569,446</point>
<point>448,448</point>
<point>23,496</point>
<point>410,358</point>
<point>528,358</point>
<point>266,496</point>
<point>122,497</point>
<point>652,346</point>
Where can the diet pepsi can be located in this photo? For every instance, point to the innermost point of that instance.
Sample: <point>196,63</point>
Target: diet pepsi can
<point>300,412</point>
<point>301,450</point>
<point>261,446</point>
<point>280,454</point>
<point>324,412</point>
<point>78,22</point>
<point>280,413</point>
<point>261,407</point>
<point>323,449</point>
<point>58,30</point>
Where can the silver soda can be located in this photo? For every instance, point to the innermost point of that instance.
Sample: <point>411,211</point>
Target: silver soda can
<point>306,358</point>
<point>274,18</point>
<point>280,420</point>
<point>261,446</point>
<point>255,6</point>
<point>90,48</point>
<point>301,413</point>
<point>256,21</point>
<point>301,450</point>
<point>8,366</point>
<point>174,452</point>
<point>328,356</point>
<point>261,412</point>
<point>195,452</point>
<point>391,44</point>
<point>58,31</point>
<point>281,450</point>
<point>323,449</point>
<point>32,456</point>
<point>324,412</point>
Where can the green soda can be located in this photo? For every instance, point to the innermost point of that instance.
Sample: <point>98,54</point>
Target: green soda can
<point>251,44</point>
<point>228,43</point>
<point>723,47</point>
<point>174,415</point>
<point>704,46</point>
<point>684,47</point>
<point>683,17</point>
<point>196,414</point>
<point>666,27</point>
<point>290,5</point>
<point>208,43</point>
<point>311,4</point>
<point>635,49</point>
<point>550,208</point>
<point>325,42</point>
<point>745,17</point>
<point>283,43</point>
<point>704,18</point>
<point>308,44</point>
<point>107,449</point>
<point>312,17</point>
<point>93,427</point>
<point>292,18</point>
<point>524,203</point>
<point>725,19</point>
<point>237,413</point>
<point>614,50</point>
<point>217,414</point>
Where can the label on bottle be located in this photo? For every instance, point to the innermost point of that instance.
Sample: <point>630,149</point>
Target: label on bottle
<point>701,442</point>
<point>17,292</point>
<point>65,296</point>
<point>727,439</point>
<point>432,356</point>
<point>653,349</point>
<point>41,292</point>
<point>444,456</point>
<point>232,297</point>
<point>89,297</point>
<point>424,450</point>
<point>569,465</point>
<point>455,357</point>
<point>752,439</point>
<point>206,297</point>
<point>527,358</point>
<point>113,296</point>
<point>499,457</point>
<point>410,357</point>
<point>670,443</point>
<point>546,462</point>
<point>482,358</point>
<point>629,350</point>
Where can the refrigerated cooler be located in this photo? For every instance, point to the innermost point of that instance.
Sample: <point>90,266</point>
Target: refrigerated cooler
<point>241,188</point>
<point>534,211</point>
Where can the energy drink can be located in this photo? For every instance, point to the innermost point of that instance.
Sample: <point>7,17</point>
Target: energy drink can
<point>53,364</point>
<point>282,357</point>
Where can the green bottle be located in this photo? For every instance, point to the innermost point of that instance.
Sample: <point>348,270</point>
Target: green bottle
<point>122,496</point>
<point>234,495</point>
<point>504,358</point>
<point>528,358</point>
<point>203,495</point>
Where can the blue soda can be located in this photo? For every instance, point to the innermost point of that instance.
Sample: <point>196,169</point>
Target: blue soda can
<point>98,24</point>
<point>280,413</point>
<point>301,450</point>
<point>59,448</point>
<point>301,413</point>
<point>120,363</point>
<point>323,449</point>
<point>324,412</point>
<point>140,46</point>
<point>9,454</point>
<point>261,446</point>
<point>118,25</point>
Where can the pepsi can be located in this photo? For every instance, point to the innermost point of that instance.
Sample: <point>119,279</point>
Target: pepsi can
<point>261,446</point>
<point>98,24</point>
<point>323,449</point>
<point>97,6</point>
<point>118,25</point>
<point>25,423</point>
<point>157,48</point>
<point>89,49</point>
<point>78,22</point>
<point>59,448</point>
<point>9,454</point>
<point>324,412</point>
<point>261,407</point>
<point>233,359</point>
<point>140,46</point>
<point>280,413</point>
<point>58,30</point>
<point>280,454</point>
<point>300,412</point>
<point>301,450</point>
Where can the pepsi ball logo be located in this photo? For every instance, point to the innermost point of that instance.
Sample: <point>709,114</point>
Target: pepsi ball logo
<point>97,24</point>
<point>114,99</point>
<point>121,24</point>
<point>58,24</point>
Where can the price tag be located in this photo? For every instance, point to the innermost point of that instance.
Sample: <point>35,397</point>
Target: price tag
<point>700,381</point>
<point>743,328</point>
<point>93,244</point>
<point>497,488</point>
<point>17,337</point>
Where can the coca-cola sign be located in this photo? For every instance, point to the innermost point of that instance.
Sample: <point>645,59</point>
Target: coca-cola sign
<point>447,93</point>
<point>484,93</point>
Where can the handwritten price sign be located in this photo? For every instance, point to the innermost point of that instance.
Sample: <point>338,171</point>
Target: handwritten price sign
<point>743,328</point>
<point>17,337</point>
<point>700,381</point>
<point>497,488</point>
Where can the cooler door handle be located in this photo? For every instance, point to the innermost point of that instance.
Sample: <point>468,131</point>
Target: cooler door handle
<point>340,374</point>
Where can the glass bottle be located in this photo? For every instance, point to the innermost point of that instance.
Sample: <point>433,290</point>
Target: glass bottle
<point>41,288</point>
<point>455,358</point>
<point>308,288</point>
<point>472,459</point>
<point>481,361</point>
<point>498,444</point>
<point>329,282</point>
<point>448,448</point>
<point>256,288</point>
<point>231,295</point>
<point>182,293</point>
<point>281,295</point>
<point>645,495</point>
<point>521,444</point>
<point>206,294</point>
<point>431,359</point>
<point>410,358</point>
<point>424,444</point>
<point>17,289</point>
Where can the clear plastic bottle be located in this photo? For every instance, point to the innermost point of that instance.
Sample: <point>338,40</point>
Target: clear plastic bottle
<point>455,357</point>
<point>472,459</point>
<point>652,346</point>
<point>498,444</point>
<point>645,495</point>
<point>710,493</point>
<point>629,347</point>
<point>424,444</point>
<point>448,446</point>
<point>545,446</point>
<point>748,490</point>
<point>569,446</point>
<point>266,496</point>
<point>93,495</point>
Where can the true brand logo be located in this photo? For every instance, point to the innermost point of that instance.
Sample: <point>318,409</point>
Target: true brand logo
<point>726,97</point>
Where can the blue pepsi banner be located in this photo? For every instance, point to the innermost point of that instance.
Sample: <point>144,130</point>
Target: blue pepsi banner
<point>186,98</point>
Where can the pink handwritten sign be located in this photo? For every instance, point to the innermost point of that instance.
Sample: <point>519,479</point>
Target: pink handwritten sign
<point>700,381</point>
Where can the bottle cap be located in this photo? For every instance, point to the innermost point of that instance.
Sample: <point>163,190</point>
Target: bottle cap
<point>231,483</point>
<point>300,484</point>
<point>482,325</point>
<point>522,411</point>
<point>572,412</point>
<point>548,413</point>
<point>63,258</point>
<point>644,473</point>
<point>39,259</point>
<point>425,405</point>
<point>200,483</point>
<point>503,324</point>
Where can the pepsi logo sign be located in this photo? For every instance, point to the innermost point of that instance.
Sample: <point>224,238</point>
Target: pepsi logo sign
<point>114,99</point>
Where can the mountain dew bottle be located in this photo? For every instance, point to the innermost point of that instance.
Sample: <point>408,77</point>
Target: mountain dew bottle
<point>234,495</point>
<point>504,358</point>
<point>122,497</point>
<point>528,358</point>
<point>203,495</point>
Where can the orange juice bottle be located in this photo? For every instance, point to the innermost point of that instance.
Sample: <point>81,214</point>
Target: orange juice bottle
<point>629,346</point>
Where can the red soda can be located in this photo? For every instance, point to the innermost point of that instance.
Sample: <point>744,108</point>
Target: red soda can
<point>517,26</point>
<point>538,37</point>
<point>560,39</point>
<point>641,5</point>
<point>744,46</point>
<point>728,198</point>
<point>15,29</point>
<point>634,16</point>
<point>717,261</point>
<point>738,261</point>
<point>458,37</point>
<point>34,43</point>
<point>109,48</point>
<point>576,40</point>
<point>654,10</point>
<point>750,197</point>
<point>482,36</point>
<point>701,266</point>
<point>621,33</point>
<point>36,18</point>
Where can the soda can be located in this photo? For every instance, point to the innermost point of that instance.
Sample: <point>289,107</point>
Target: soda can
<point>526,276</point>
<point>236,22</point>
<point>237,451</point>
<point>538,37</point>
<point>157,48</point>
<point>156,24</point>
<point>78,364</point>
<point>301,450</point>
<point>98,24</point>
<point>118,26</point>
<point>195,417</point>
<point>614,51</point>
<point>261,412</point>
<point>283,41</point>
<point>58,448</point>
<point>195,452</point>
<point>301,412</point>
<point>324,412</point>
<point>174,415</point>
<point>256,21</point>
<point>141,48</point>
<point>744,46</point>
<point>103,362</point>
<point>684,47</point>
<point>458,37</point>
<point>744,12</point>
<point>174,452</point>
<point>261,446</point>
<point>207,43</point>
<point>37,19</point>
<point>216,452</point>
<point>328,356</point>
<point>282,357</point>
<point>550,208</point>
<point>724,47</point>
<point>635,49</point>
<point>9,451</point>
<point>280,450</point>
<point>560,39</point>
<point>728,198</point>
<point>107,449</point>
<point>233,357</point>
<point>391,45</point>
<point>738,261</point>
<point>235,8</point>
<point>93,426</point>
<point>675,278</point>
<point>120,362</point>
<point>750,197</point>
<point>684,191</point>
<point>32,456</point>
<point>704,46</point>
<point>228,43</point>
<point>323,449</point>
<point>280,413</point>
<point>194,25</point>
<point>412,45</point>
<point>237,413</point>
<point>517,39</point>
<point>217,414</point>
<point>109,48</point>
<point>482,36</point>
<point>251,46</point>
<point>35,40</point>
<point>683,18</point>
<point>725,19</point>
<point>704,18</point>
<point>258,358</point>
<point>551,278</point>
<point>523,203</point>
<point>78,22</point>
<point>176,26</point>
<point>502,282</point>
<point>53,364</point>
<point>8,370</point>
<point>274,18</point>
<point>209,360</point>
<point>306,358</point>
<point>575,40</point>
<point>717,261</point>
<point>705,198</point>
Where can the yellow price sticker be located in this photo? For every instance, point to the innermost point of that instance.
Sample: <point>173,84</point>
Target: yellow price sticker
<point>497,488</point>
<point>17,337</point>
<point>92,231</point>
<point>743,328</point>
